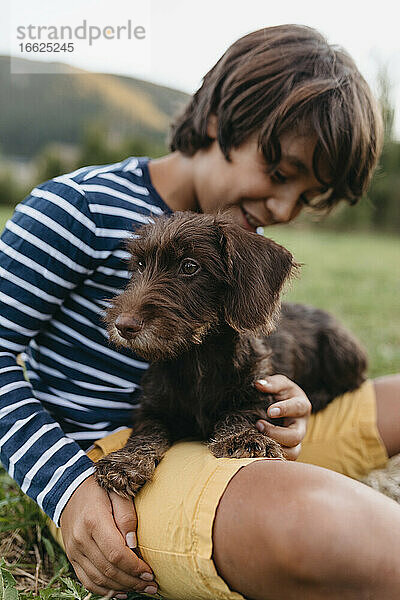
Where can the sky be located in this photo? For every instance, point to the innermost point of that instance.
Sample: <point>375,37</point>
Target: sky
<point>184,39</point>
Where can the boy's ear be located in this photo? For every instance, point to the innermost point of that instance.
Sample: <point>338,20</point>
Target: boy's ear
<point>212,126</point>
<point>257,269</point>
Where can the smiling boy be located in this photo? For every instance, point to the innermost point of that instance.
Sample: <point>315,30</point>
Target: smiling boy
<point>282,121</point>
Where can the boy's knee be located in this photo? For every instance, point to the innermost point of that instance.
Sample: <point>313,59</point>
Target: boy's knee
<point>255,530</point>
<point>289,530</point>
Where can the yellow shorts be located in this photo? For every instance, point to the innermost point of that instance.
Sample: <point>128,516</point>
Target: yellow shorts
<point>176,510</point>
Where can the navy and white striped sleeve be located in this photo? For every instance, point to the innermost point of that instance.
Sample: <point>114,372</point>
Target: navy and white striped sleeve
<point>47,249</point>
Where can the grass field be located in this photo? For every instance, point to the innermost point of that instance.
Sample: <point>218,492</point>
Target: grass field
<point>355,276</point>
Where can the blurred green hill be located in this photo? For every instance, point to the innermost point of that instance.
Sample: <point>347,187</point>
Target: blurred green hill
<point>41,108</point>
<point>53,123</point>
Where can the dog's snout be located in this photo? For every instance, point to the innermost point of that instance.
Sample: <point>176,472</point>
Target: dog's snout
<point>128,327</point>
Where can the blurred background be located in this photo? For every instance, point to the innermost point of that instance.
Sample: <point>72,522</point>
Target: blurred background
<point>114,98</point>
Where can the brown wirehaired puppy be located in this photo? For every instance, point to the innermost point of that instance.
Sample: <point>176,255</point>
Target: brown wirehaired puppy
<point>289,79</point>
<point>202,304</point>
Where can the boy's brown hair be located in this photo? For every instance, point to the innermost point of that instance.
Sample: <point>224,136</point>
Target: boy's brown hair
<point>289,79</point>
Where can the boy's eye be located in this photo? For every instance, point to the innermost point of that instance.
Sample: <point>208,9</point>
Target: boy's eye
<point>189,266</point>
<point>141,266</point>
<point>279,177</point>
<point>314,200</point>
<point>304,201</point>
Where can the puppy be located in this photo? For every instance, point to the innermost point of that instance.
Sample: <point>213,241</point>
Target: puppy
<point>203,306</point>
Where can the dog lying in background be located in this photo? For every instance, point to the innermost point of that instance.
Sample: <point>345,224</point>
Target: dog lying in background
<point>203,306</point>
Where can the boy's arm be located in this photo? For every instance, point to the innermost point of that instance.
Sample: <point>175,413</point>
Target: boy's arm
<point>47,249</point>
<point>42,258</point>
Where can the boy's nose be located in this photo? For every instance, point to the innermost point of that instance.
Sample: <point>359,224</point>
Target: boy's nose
<point>283,210</point>
<point>128,327</point>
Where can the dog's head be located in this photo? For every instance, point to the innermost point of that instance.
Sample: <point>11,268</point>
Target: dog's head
<point>190,272</point>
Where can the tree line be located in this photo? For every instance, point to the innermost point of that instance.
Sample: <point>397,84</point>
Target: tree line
<point>378,211</point>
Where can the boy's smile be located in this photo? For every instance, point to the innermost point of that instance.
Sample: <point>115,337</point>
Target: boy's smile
<point>207,182</point>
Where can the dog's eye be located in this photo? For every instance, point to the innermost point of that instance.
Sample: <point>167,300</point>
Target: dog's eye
<point>141,266</point>
<point>189,266</point>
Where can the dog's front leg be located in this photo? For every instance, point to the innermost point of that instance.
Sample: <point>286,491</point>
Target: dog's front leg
<point>236,436</point>
<point>125,471</point>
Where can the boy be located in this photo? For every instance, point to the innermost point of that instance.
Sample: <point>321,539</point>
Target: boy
<point>282,121</point>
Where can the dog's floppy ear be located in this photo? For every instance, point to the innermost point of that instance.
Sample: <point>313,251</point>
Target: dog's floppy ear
<point>257,269</point>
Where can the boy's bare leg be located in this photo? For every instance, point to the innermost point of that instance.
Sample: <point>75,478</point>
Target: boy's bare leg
<point>296,531</point>
<point>387,390</point>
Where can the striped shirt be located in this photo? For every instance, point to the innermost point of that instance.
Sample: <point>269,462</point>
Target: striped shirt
<point>62,255</point>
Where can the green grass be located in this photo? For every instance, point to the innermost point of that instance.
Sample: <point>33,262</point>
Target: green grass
<point>355,276</point>
<point>5,213</point>
<point>33,566</point>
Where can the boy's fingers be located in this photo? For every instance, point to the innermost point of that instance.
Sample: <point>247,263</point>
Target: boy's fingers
<point>125,518</point>
<point>295,407</point>
<point>275,384</point>
<point>106,572</point>
<point>292,453</point>
<point>114,552</point>
<point>113,547</point>
<point>289,436</point>
<point>86,581</point>
<point>108,578</point>
<point>99,578</point>
<point>91,536</point>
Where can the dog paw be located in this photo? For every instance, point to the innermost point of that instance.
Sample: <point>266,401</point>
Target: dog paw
<point>247,444</point>
<point>123,473</point>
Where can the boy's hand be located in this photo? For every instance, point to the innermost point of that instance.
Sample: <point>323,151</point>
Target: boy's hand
<point>293,405</point>
<point>94,527</point>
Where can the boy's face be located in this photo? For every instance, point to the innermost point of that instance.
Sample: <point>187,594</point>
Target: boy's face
<point>253,196</point>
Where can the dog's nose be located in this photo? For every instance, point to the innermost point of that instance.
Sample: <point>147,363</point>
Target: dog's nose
<point>128,327</point>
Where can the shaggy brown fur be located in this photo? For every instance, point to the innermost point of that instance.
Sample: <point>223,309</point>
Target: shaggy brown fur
<point>202,305</point>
